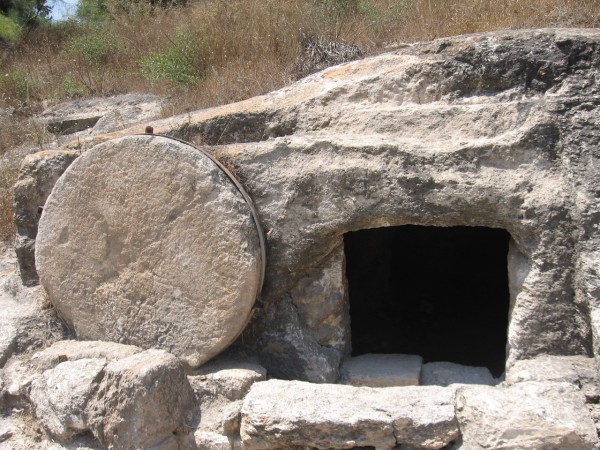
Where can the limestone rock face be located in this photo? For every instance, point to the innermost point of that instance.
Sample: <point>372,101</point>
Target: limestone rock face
<point>26,322</point>
<point>528,415</point>
<point>164,253</point>
<point>61,395</point>
<point>382,370</point>
<point>100,115</point>
<point>279,414</point>
<point>498,130</point>
<point>143,401</point>
<point>445,374</point>
<point>37,176</point>
<point>579,371</point>
<point>219,387</point>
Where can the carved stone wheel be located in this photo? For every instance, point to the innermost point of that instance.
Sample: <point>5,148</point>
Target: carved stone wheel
<point>146,240</point>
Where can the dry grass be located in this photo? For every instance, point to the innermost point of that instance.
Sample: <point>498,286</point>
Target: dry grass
<point>8,176</point>
<point>214,52</point>
<point>237,49</point>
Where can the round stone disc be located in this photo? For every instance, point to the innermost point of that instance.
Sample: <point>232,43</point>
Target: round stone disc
<point>145,240</point>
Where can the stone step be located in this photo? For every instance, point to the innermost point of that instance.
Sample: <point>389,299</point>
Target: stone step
<point>382,370</point>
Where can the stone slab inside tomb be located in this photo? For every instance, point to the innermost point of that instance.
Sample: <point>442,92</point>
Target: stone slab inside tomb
<point>400,252</point>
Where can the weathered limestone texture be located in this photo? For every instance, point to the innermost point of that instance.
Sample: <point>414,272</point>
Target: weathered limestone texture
<point>60,396</point>
<point>579,371</point>
<point>445,374</point>
<point>162,253</point>
<point>283,414</point>
<point>100,115</point>
<point>37,177</point>
<point>70,350</point>
<point>382,370</point>
<point>497,130</point>
<point>26,321</point>
<point>528,415</point>
<point>143,401</point>
<point>220,386</point>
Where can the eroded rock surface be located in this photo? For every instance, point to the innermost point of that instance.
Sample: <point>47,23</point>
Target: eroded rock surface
<point>219,387</point>
<point>37,176</point>
<point>283,414</point>
<point>60,396</point>
<point>26,319</point>
<point>382,370</point>
<point>445,374</point>
<point>164,253</point>
<point>143,401</point>
<point>100,115</point>
<point>528,415</point>
<point>71,350</point>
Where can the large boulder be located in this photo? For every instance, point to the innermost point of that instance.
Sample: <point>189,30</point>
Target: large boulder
<point>163,253</point>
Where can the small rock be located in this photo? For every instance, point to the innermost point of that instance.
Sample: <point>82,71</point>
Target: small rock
<point>18,374</point>
<point>446,373</point>
<point>205,440</point>
<point>231,419</point>
<point>229,378</point>
<point>378,370</point>
<point>7,430</point>
<point>143,401</point>
<point>60,395</point>
<point>219,386</point>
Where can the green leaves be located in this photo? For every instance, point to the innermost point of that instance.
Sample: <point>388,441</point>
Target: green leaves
<point>176,62</point>
<point>9,30</point>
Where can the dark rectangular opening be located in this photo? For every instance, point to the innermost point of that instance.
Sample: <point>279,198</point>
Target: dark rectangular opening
<point>438,292</point>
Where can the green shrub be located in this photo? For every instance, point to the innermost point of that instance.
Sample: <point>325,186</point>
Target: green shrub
<point>177,62</point>
<point>91,54</point>
<point>9,30</point>
<point>93,48</point>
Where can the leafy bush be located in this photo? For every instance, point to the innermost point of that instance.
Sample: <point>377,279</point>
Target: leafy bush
<point>94,47</point>
<point>9,30</point>
<point>175,63</point>
<point>91,54</point>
